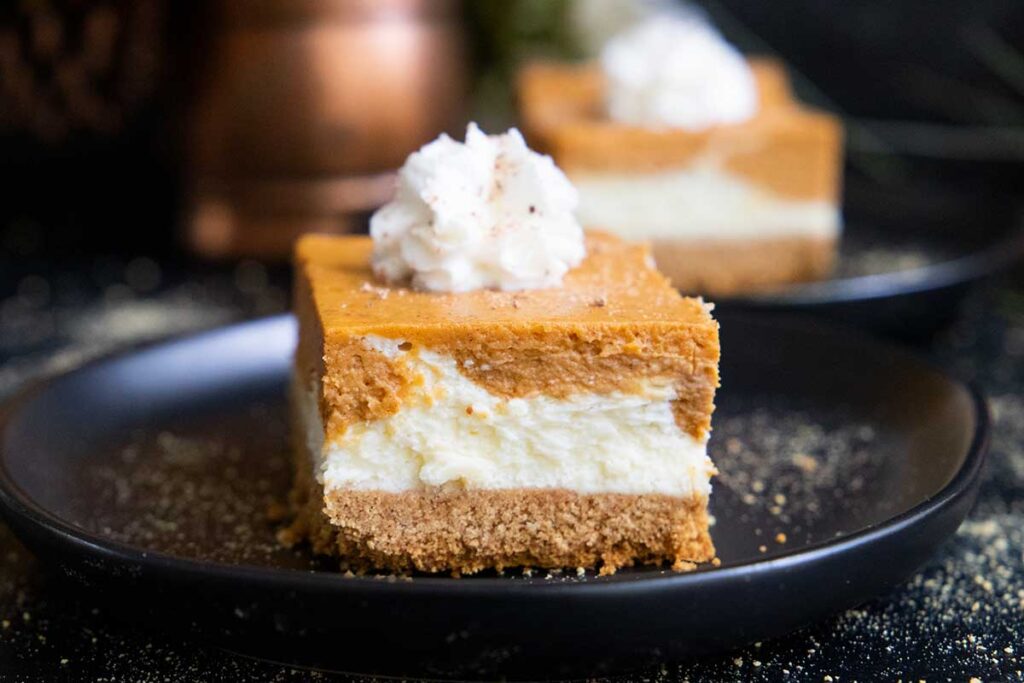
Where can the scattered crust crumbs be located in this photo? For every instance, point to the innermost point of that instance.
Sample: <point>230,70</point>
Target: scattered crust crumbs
<point>380,292</point>
<point>805,462</point>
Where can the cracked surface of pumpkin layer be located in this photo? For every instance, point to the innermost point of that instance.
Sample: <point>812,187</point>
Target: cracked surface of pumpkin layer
<point>614,322</point>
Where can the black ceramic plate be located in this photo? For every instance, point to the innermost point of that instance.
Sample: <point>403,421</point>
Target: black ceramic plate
<point>148,479</point>
<point>911,250</point>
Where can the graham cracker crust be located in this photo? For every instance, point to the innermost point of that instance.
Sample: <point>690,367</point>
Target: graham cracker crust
<point>464,532</point>
<point>725,267</point>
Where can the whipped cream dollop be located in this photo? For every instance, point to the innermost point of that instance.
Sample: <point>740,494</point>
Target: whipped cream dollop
<point>676,72</point>
<point>486,213</point>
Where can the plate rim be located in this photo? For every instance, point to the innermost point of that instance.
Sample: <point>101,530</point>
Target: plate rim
<point>18,507</point>
<point>974,266</point>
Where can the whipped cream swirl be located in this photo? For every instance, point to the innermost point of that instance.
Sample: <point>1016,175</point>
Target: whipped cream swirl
<point>486,213</point>
<point>676,72</point>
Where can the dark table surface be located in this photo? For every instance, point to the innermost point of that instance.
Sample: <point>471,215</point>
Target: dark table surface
<point>960,617</point>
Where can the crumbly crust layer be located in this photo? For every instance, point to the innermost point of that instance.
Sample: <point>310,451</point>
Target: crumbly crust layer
<point>464,532</point>
<point>725,267</point>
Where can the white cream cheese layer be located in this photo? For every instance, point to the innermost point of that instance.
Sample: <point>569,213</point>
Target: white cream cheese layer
<point>698,202</point>
<point>452,432</point>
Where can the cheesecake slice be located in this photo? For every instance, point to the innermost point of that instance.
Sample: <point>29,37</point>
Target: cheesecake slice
<point>729,208</point>
<point>559,427</point>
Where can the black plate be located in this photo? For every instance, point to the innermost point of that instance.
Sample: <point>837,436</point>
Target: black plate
<point>912,249</point>
<point>147,479</point>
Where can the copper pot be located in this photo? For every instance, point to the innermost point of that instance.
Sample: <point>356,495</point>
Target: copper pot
<point>307,108</point>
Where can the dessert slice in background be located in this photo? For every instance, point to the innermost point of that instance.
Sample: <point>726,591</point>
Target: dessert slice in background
<point>480,385</point>
<point>675,138</point>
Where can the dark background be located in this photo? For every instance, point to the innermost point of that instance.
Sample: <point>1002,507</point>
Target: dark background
<point>94,160</point>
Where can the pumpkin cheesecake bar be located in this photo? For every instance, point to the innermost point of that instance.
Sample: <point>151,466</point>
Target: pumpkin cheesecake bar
<point>555,426</point>
<point>675,138</point>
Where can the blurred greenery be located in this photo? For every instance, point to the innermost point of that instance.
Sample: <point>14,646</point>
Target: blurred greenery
<point>503,34</point>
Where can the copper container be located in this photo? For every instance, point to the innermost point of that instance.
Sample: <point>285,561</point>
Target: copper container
<point>307,108</point>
